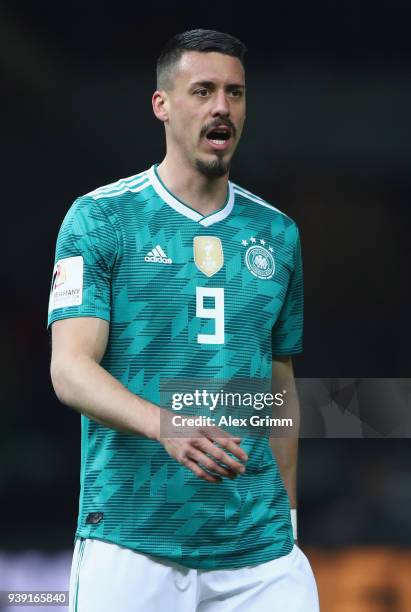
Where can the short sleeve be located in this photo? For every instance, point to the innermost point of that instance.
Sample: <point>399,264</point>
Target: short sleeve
<point>86,250</point>
<point>287,332</point>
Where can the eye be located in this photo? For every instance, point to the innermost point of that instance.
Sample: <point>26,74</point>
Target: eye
<point>237,93</point>
<point>203,92</point>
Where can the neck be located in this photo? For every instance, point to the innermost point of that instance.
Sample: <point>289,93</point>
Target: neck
<point>205,195</point>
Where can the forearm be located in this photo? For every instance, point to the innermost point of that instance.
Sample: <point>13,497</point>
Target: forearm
<point>285,451</point>
<point>87,387</point>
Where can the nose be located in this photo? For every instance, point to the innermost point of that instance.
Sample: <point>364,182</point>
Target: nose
<point>221,105</point>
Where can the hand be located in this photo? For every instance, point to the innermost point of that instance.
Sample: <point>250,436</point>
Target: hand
<point>199,449</point>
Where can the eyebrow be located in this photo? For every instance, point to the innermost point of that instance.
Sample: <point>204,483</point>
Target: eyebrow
<point>212,84</point>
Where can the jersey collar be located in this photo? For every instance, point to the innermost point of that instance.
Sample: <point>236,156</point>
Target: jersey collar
<point>184,209</point>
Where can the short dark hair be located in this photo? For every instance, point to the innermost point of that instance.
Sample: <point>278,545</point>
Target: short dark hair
<point>204,41</point>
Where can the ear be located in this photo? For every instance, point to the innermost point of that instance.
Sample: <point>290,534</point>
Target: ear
<point>159,102</point>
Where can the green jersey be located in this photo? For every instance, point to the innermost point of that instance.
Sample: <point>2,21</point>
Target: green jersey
<point>186,296</point>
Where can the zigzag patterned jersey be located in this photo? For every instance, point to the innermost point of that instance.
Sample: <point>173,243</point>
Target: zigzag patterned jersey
<point>187,296</point>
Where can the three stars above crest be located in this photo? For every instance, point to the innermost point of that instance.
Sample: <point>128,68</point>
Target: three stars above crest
<point>253,241</point>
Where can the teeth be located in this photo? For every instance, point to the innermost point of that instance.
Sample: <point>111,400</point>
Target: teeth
<point>218,141</point>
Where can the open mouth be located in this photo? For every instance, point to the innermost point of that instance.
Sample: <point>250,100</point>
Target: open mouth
<point>219,136</point>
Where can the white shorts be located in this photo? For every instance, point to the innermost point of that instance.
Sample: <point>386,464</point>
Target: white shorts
<point>106,577</point>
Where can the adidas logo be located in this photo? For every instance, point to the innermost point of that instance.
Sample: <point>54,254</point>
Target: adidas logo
<point>157,255</point>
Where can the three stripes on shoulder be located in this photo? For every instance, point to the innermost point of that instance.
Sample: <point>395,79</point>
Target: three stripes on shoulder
<point>134,183</point>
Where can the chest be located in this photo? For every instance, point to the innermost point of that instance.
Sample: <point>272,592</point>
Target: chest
<point>228,272</point>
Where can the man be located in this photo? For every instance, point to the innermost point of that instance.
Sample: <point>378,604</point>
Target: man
<point>176,273</point>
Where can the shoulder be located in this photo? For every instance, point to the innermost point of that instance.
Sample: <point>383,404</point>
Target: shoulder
<point>129,185</point>
<point>260,205</point>
<point>102,204</point>
<point>104,201</point>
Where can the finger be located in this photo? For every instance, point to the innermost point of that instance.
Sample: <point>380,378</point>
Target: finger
<point>211,465</point>
<point>198,471</point>
<point>233,447</point>
<point>217,454</point>
<point>228,442</point>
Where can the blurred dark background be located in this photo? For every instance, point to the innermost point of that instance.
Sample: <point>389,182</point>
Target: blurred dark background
<point>327,140</point>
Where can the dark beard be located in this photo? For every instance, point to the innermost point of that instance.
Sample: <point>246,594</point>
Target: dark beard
<point>213,169</point>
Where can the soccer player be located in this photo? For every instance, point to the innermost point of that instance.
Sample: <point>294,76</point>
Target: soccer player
<point>178,273</point>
